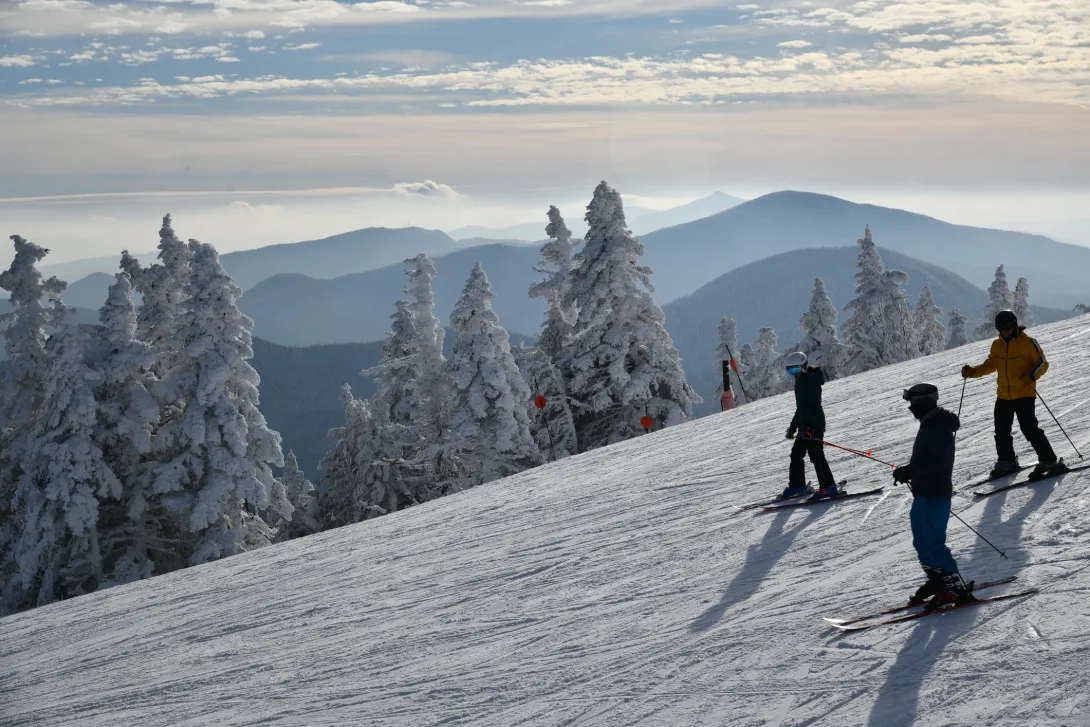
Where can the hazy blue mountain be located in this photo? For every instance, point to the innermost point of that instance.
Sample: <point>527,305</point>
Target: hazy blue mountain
<point>687,256</point>
<point>296,310</point>
<point>329,257</point>
<point>90,292</point>
<point>775,292</point>
<point>640,220</point>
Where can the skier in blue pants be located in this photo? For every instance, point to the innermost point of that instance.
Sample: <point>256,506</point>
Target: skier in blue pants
<point>930,476</point>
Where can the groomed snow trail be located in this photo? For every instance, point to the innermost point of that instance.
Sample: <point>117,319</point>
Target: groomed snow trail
<point>616,588</point>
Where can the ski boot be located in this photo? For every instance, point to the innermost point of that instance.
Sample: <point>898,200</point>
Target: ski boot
<point>1005,467</point>
<point>928,589</point>
<point>1048,469</point>
<point>825,493</point>
<point>953,591</point>
<point>793,491</point>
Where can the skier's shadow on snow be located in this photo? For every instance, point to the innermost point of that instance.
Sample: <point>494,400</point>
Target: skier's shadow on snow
<point>760,559</point>
<point>898,699</point>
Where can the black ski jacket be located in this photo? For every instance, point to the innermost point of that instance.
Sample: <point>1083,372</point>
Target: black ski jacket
<point>808,412</point>
<point>932,463</point>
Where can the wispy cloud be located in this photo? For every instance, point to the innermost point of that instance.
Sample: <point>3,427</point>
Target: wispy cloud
<point>427,188</point>
<point>17,62</point>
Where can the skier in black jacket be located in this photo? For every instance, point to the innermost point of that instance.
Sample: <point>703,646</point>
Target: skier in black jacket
<point>929,475</point>
<point>810,420</point>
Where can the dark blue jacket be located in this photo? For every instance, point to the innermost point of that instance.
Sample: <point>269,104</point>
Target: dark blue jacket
<point>808,412</point>
<point>932,463</point>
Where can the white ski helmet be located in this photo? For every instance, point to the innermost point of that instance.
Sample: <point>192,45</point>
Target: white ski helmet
<point>798,358</point>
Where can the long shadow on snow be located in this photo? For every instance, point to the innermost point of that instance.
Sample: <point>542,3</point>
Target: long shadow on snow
<point>898,699</point>
<point>760,559</point>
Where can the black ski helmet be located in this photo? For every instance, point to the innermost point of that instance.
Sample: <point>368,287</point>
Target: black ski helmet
<point>1005,319</point>
<point>922,391</point>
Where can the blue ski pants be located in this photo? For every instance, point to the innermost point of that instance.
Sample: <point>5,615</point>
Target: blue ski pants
<point>929,516</point>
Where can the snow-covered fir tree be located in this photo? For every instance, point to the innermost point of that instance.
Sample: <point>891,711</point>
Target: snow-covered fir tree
<point>363,475</point>
<point>24,329</point>
<point>999,298</point>
<point>621,364</point>
<point>552,426</point>
<point>216,451</point>
<point>764,374</point>
<point>878,330</point>
<point>557,263</point>
<point>959,334</point>
<point>728,348</point>
<point>63,475</point>
<point>820,343</point>
<point>1021,303</point>
<point>930,333</point>
<point>136,526</point>
<point>427,351</point>
<point>485,420</point>
<point>1081,309</point>
<point>300,494</point>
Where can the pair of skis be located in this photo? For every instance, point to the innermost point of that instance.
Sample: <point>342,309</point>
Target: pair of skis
<point>1020,483</point>
<point>860,623</point>
<point>781,502</point>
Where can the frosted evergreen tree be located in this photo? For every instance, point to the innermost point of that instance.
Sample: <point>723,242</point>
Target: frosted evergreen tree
<point>1021,303</point>
<point>427,350</point>
<point>395,392</point>
<point>999,298</point>
<point>24,328</point>
<point>552,427</point>
<point>216,451</point>
<point>622,364</point>
<point>728,347</point>
<point>557,263</point>
<point>820,343</point>
<point>360,478</point>
<point>878,331</point>
<point>63,475</point>
<point>959,334</point>
<point>930,333</point>
<point>764,375</point>
<point>300,493</point>
<point>485,420</point>
<point>1081,309</point>
<point>136,525</point>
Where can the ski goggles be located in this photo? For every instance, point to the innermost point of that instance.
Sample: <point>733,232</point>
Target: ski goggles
<point>792,370</point>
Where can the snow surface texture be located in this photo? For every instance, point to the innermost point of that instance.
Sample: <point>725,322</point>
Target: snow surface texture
<point>618,587</point>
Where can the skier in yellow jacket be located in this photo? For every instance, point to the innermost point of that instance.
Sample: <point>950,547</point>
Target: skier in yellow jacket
<point>1019,362</point>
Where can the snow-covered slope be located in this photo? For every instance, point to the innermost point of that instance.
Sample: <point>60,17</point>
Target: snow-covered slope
<point>614,588</point>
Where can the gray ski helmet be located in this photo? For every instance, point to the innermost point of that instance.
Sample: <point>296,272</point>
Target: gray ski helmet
<point>1005,319</point>
<point>798,358</point>
<point>922,391</point>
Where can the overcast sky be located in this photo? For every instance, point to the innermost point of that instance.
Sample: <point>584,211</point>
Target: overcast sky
<point>258,121</point>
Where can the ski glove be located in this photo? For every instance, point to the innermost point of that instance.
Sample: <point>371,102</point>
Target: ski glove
<point>966,371</point>
<point>903,474</point>
<point>790,433</point>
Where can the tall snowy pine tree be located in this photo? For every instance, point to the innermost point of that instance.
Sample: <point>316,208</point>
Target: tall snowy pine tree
<point>821,344</point>
<point>959,335</point>
<point>764,374</point>
<point>1021,303</point>
<point>728,347</point>
<point>999,298</point>
<point>557,263</point>
<point>484,415</point>
<point>621,363</point>
<point>216,451</point>
<point>930,333</point>
<point>878,331</point>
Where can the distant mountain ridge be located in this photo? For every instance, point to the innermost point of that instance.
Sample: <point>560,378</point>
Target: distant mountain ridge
<point>692,254</point>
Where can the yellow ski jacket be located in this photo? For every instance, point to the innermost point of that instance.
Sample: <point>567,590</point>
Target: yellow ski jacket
<point>1020,362</point>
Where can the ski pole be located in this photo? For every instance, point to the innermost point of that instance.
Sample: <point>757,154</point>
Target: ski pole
<point>737,373</point>
<point>1061,426</point>
<point>964,381</point>
<point>979,535</point>
<point>867,455</point>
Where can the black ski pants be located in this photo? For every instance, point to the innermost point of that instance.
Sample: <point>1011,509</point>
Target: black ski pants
<point>1005,412</point>
<point>813,447</point>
